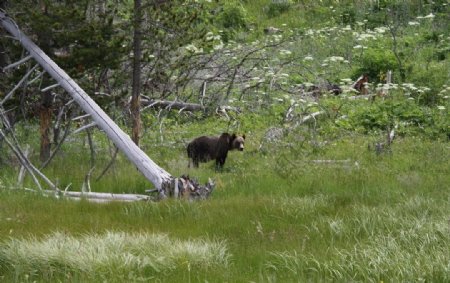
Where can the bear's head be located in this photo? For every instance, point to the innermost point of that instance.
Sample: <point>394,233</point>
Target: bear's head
<point>237,142</point>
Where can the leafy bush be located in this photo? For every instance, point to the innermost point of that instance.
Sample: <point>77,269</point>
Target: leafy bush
<point>407,115</point>
<point>233,16</point>
<point>348,15</point>
<point>278,7</point>
<point>376,62</point>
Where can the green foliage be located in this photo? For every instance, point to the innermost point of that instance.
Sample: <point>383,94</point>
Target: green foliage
<point>406,115</point>
<point>277,7</point>
<point>375,62</point>
<point>348,15</point>
<point>233,16</point>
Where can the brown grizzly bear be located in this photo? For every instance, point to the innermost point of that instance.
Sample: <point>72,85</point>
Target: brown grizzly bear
<point>204,148</point>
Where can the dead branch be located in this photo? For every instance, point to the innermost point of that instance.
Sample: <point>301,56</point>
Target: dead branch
<point>58,147</point>
<point>81,117</point>
<point>23,60</point>
<point>183,106</point>
<point>49,87</point>
<point>24,78</point>
<point>111,162</point>
<point>85,127</point>
<point>87,181</point>
<point>22,170</point>
<point>24,161</point>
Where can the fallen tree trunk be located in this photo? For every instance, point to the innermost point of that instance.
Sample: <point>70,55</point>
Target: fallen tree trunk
<point>104,197</point>
<point>182,187</point>
<point>155,174</point>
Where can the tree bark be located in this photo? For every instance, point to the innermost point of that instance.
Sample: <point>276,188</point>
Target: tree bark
<point>136,87</point>
<point>45,108</point>
<point>155,174</point>
<point>45,122</point>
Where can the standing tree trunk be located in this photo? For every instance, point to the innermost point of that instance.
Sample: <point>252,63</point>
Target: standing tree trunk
<point>136,87</point>
<point>45,120</point>
<point>45,108</point>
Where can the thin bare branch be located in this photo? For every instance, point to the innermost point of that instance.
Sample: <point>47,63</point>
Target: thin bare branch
<point>23,60</point>
<point>24,78</point>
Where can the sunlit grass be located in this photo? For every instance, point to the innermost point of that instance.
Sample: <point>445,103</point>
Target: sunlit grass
<point>109,255</point>
<point>407,241</point>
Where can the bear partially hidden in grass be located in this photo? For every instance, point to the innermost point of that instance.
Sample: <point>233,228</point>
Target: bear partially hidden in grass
<point>204,148</point>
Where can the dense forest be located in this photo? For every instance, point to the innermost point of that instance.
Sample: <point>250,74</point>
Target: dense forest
<point>344,106</point>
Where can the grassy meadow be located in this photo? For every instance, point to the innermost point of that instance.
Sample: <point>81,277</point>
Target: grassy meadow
<point>275,216</point>
<point>313,203</point>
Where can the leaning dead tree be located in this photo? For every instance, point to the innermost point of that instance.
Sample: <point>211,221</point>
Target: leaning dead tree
<point>164,183</point>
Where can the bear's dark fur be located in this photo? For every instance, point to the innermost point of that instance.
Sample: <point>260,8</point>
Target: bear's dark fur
<point>204,148</point>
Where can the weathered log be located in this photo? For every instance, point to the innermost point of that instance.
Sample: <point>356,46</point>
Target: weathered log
<point>99,196</point>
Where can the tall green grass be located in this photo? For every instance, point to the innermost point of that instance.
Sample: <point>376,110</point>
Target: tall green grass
<point>374,218</point>
<point>110,255</point>
<point>407,241</point>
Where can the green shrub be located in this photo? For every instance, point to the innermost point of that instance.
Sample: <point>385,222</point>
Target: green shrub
<point>278,7</point>
<point>375,63</point>
<point>233,16</point>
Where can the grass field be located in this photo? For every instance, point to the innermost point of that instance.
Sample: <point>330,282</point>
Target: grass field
<point>274,217</point>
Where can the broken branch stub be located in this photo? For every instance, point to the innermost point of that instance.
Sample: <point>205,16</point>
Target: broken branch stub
<point>185,188</point>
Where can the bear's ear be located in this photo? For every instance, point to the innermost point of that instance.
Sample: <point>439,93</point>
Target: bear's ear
<point>243,136</point>
<point>233,137</point>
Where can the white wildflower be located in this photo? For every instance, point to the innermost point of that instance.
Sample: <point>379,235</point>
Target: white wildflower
<point>380,30</point>
<point>336,59</point>
<point>219,46</point>
<point>347,28</point>
<point>346,80</point>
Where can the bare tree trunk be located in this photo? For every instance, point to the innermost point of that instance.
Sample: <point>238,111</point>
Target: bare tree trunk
<point>155,174</point>
<point>136,87</point>
<point>45,109</point>
<point>45,118</point>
